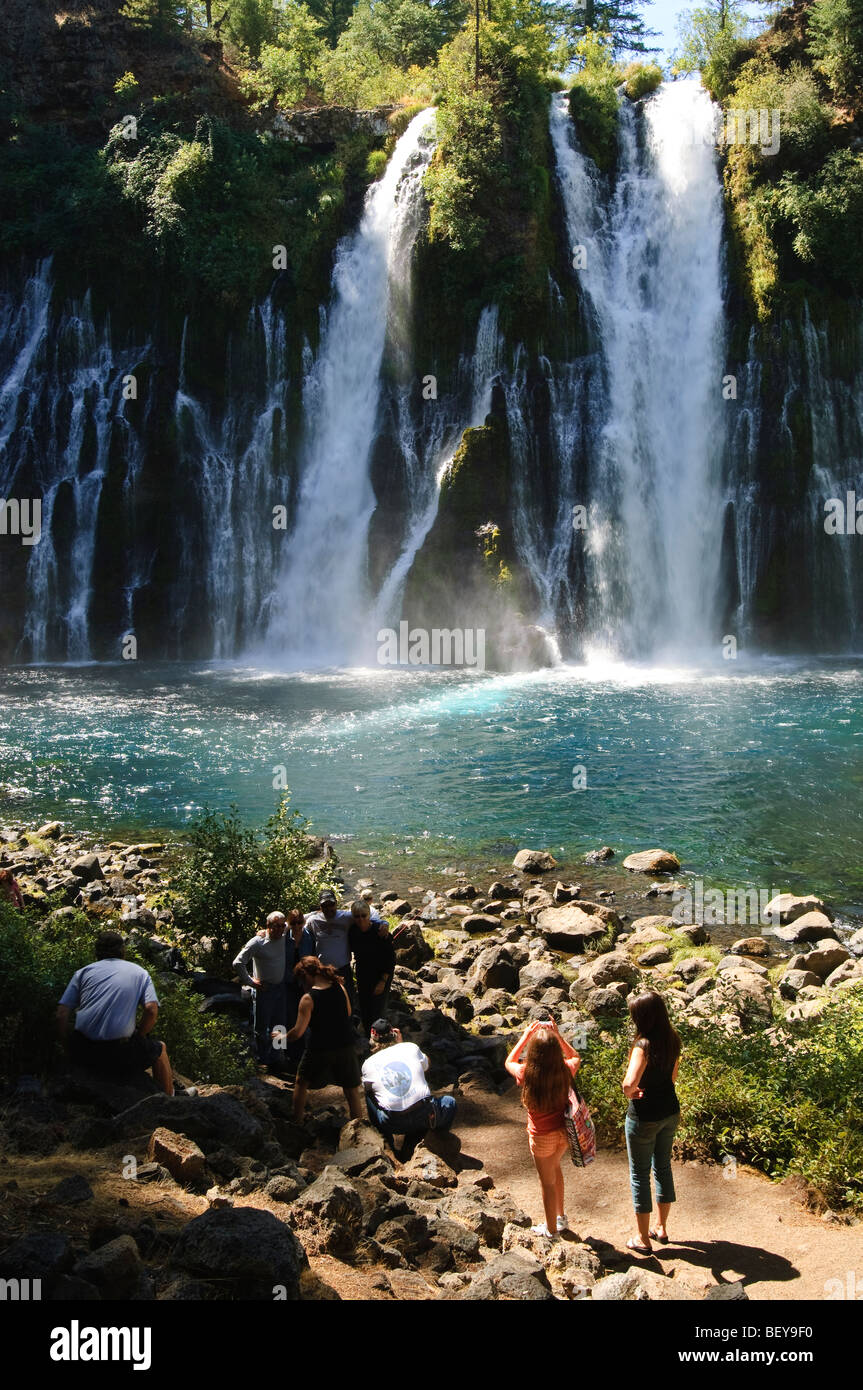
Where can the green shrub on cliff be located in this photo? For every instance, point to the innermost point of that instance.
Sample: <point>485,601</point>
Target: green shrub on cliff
<point>641,79</point>
<point>488,187</point>
<point>593,101</point>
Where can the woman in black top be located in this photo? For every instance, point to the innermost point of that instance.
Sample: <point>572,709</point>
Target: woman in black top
<point>330,1058</point>
<point>653,1114</point>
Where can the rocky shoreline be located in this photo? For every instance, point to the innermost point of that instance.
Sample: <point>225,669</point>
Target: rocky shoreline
<point>279,1198</point>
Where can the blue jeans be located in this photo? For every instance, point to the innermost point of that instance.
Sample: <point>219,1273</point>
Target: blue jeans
<point>268,1011</point>
<point>438,1112</point>
<point>648,1143</point>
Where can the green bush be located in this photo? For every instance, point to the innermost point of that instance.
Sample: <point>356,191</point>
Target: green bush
<point>641,79</point>
<point>229,877</point>
<point>594,103</point>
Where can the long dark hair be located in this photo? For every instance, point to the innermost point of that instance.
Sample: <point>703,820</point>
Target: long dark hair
<point>653,1030</point>
<point>547,1078</point>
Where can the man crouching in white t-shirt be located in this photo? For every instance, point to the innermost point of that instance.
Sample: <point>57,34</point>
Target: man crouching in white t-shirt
<point>398,1099</point>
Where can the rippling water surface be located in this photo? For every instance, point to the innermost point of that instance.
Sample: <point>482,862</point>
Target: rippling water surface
<point>752,776</point>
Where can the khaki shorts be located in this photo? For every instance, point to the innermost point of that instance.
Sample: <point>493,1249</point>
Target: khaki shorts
<point>553,1145</point>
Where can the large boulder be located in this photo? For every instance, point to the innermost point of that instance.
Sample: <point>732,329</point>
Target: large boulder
<point>845,974</point>
<point>652,861</point>
<point>808,926</point>
<point>572,928</point>
<point>826,957</point>
<point>786,908</point>
<point>411,948</point>
<point>331,1211</point>
<point>493,969</point>
<point>116,1269</point>
<point>746,994</point>
<point>517,1276</point>
<point>202,1118</point>
<point>540,974</point>
<point>476,922</point>
<point>249,1251</point>
<point>534,861</point>
<point>87,868</point>
<point>613,968</point>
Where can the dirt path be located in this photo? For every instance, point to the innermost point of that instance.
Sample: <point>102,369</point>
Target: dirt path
<point>721,1229</point>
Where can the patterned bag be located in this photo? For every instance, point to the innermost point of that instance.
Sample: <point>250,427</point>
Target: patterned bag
<point>579,1130</point>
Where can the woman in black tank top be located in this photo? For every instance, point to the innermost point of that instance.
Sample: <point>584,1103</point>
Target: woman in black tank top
<point>330,1057</point>
<point>652,1116</point>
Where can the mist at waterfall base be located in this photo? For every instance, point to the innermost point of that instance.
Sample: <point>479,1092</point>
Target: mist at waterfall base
<point>753,777</point>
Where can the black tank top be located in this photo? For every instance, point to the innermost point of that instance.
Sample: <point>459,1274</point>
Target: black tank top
<point>660,1098</point>
<point>330,1026</point>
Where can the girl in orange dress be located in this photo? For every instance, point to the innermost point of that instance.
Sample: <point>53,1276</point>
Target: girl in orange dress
<point>545,1077</point>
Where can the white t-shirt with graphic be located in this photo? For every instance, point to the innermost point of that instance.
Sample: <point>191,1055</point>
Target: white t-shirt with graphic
<point>396,1075</point>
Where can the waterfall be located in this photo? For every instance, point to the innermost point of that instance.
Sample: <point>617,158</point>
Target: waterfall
<point>425,484</point>
<point>235,466</point>
<point>650,273</point>
<point>62,401</point>
<point>320,607</point>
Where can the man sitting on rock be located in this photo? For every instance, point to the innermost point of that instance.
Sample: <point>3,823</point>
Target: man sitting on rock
<point>105,997</point>
<point>398,1099</point>
<point>266,955</point>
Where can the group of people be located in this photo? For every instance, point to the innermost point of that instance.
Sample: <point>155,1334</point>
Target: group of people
<point>546,1076</point>
<point>271,964</point>
<point>306,999</point>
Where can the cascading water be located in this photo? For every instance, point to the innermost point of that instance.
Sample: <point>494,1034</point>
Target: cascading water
<point>650,272</point>
<point>62,400</point>
<point>425,483</point>
<point>320,607</point>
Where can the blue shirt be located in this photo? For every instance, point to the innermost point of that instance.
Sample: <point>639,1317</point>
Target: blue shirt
<point>106,995</point>
<point>294,953</point>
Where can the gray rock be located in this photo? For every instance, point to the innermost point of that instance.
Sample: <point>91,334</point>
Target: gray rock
<point>331,1210</point>
<point>480,922</point>
<point>826,957</point>
<point>655,955</point>
<point>40,1255</point>
<point>787,908</point>
<point>115,1268</point>
<point>71,1191</point>
<point>652,861</point>
<point>573,927</point>
<point>493,969</point>
<point>534,861</point>
<point>249,1250</point>
<point>808,926</point>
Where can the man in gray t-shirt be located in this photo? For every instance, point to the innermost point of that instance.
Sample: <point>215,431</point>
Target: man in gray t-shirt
<point>266,956</point>
<point>105,998</point>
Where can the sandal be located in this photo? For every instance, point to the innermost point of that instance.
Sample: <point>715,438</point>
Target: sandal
<point>663,1240</point>
<point>632,1244</point>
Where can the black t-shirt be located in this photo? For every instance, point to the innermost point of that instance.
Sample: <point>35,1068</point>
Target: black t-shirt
<point>374,955</point>
<point>660,1098</point>
<point>330,1025</point>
